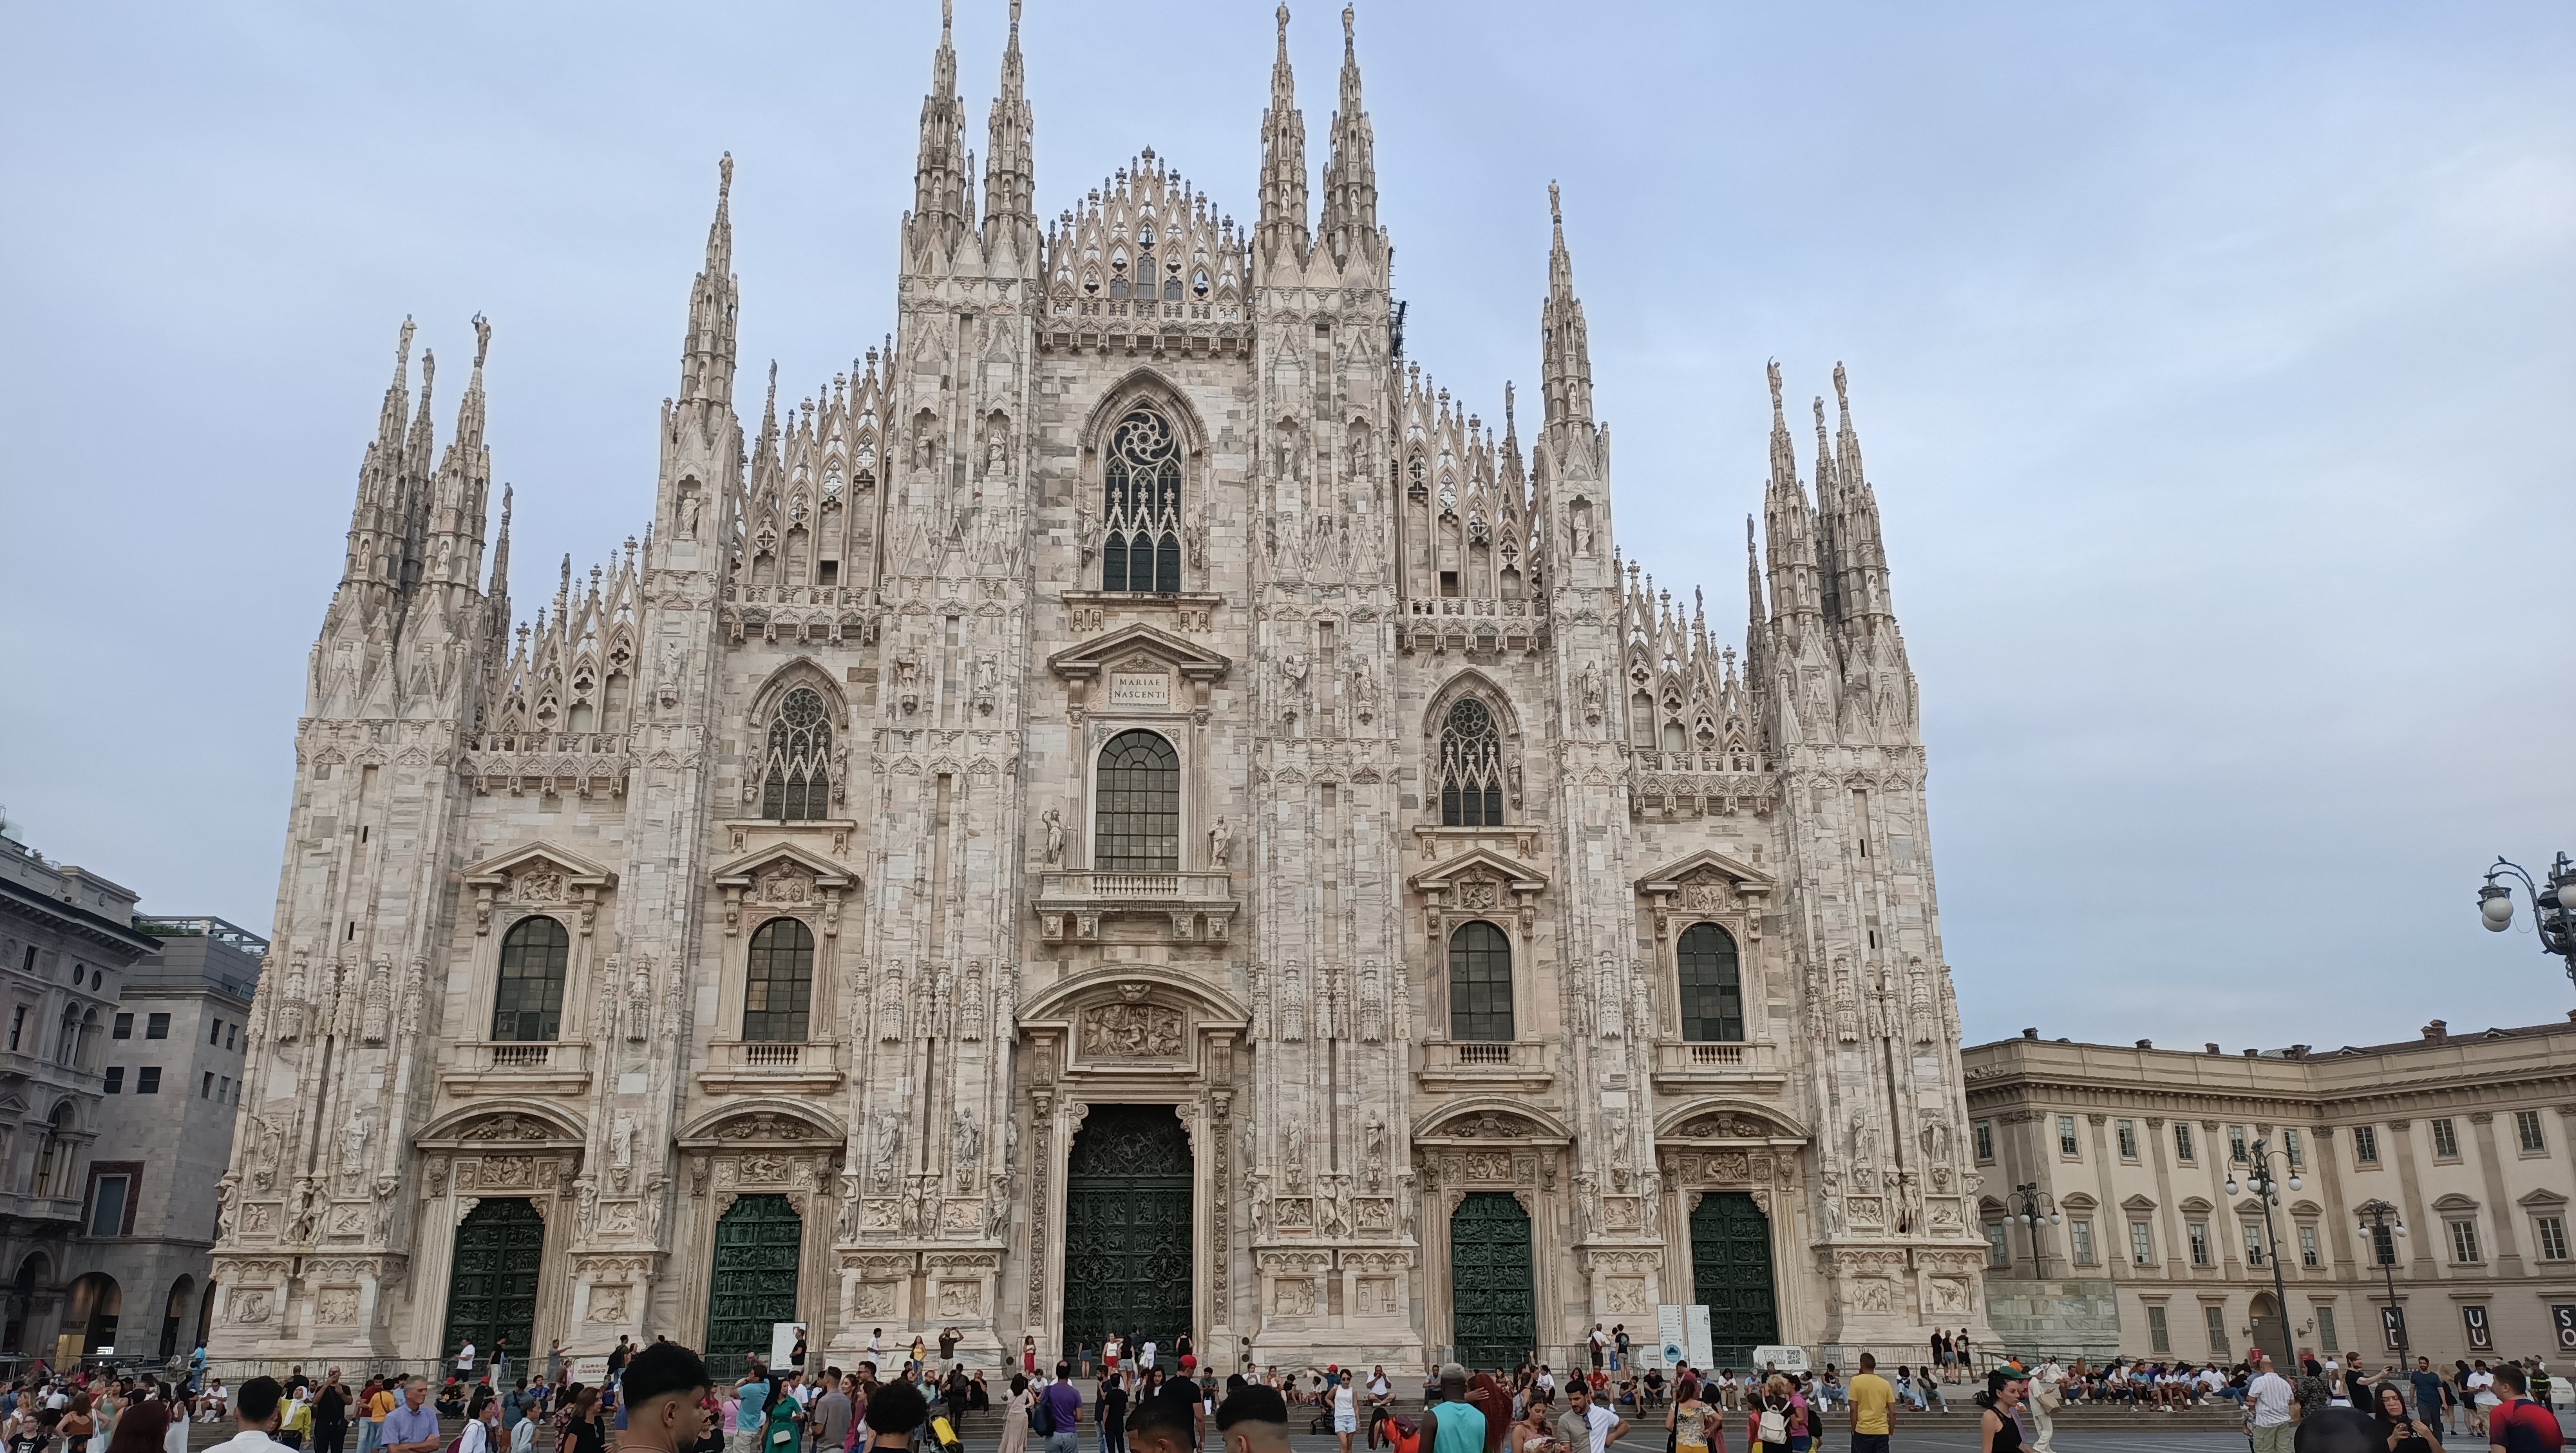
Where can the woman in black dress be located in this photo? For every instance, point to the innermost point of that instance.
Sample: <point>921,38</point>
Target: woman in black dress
<point>1997,1430</point>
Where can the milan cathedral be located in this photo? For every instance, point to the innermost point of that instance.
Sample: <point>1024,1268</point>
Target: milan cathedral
<point>1128,808</point>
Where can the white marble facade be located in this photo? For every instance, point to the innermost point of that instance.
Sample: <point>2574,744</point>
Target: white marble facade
<point>845,704</point>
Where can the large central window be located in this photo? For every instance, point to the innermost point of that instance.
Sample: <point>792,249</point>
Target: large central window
<point>1712,992</point>
<point>1471,767</point>
<point>529,1001</point>
<point>1139,826</point>
<point>798,784</point>
<point>778,985</point>
<point>1141,511</point>
<point>1480,983</point>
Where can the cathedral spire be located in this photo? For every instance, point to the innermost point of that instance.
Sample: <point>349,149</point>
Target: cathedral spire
<point>375,517</point>
<point>1788,522</point>
<point>500,588</point>
<point>1283,162</point>
<point>1010,169</point>
<point>940,210</point>
<point>1567,362</point>
<point>706,358</point>
<point>1350,177</point>
<point>1860,548</point>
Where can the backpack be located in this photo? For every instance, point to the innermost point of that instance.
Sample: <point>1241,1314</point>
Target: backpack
<point>1041,1415</point>
<point>1775,1426</point>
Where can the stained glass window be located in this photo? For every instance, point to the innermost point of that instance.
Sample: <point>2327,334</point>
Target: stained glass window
<point>1712,994</point>
<point>797,786</point>
<point>1139,825</point>
<point>1141,512</point>
<point>529,1002</point>
<point>1480,983</point>
<point>778,989</point>
<point>1471,767</point>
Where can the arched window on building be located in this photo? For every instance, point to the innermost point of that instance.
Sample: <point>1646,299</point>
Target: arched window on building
<point>796,777</point>
<point>1480,983</point>
<point>1141,507</point>
<point>1471,767</point>
<point>1138,828</point>
<point>778,983</point>
<point>1712,988</point>
<point>527,1004</point>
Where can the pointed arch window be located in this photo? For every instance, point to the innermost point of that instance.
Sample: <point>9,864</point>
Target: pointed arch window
<point>1480,983</point>
<point>1712,987</point>
<point>796,783</point>
<point>1138,829</point>
<point>528,1002</point>
<point>778,987</point>
<point>1141,508</point>
<point>1471,767</point>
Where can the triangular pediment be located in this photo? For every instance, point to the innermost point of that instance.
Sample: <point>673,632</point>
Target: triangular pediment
<point>1479,864</point>
<point>1704,866</point>
<point>540,857</point>
<point>783,858</point>
<point>1141,643</point>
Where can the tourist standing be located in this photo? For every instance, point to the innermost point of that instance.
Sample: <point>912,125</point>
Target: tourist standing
<point>1997,1429</point>
<point>2267,1410</point>
<point>1873,1408</point>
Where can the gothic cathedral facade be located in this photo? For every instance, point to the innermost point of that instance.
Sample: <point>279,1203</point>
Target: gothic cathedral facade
<point>1128,809</point>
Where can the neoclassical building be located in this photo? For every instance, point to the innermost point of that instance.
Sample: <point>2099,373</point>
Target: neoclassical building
<point>1128,807</point>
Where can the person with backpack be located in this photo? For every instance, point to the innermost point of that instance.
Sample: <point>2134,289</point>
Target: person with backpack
<point>1056,1416</point>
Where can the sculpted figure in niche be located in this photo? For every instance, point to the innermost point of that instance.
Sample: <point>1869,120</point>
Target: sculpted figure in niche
<point>1054,838</point>
<point>353,1143</point>
<point>689,514</point>
<point>1221,844</point>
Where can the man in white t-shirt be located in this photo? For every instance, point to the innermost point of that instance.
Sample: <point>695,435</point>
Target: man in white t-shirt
<point>1600,1426</point>
<point>465,1358</point>
<point>2267,1410</point>
<point>1546,1380</point>
<point>2482,1397</point>
<point>1145,1355</point>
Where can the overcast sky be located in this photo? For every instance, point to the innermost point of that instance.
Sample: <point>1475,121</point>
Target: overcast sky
<point>2214,363</point>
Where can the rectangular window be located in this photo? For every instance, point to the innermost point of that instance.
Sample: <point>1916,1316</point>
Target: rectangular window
<point>2309,1252</point>
<point>223,1088</point>
<point>214,1031</point>
<point>2198,1231</point>
<point>2326,1328</point>
<point>2464,1242</point>
<point>2295,1148</point>
<point>2553,1237</point>
<point>206,1091</point>
<point>2128,1139</point>
<point>2383,1245</point>
<point>2217,1319</point>
<point>1998,1248</point>
<point>107,1206</point>
<point>2142,1244</point>
<point>232,1036</point>
<point>1985,1133</point>
<point>2159,1337</point>
<point>2365,1145</point>
<point>124,1028</point>
<point>2079,1235</point>
<point>2066,1143</point>
<point>2526,1126</point>
<point>147,1080</point>
<point>156,1026</point>
<point>2446,1140</point>
<point>2236,1144</point>
<point>2182,1142</point>
<point>17,1023</point>
<point>2253,1242</point>
<point>116,1079</point>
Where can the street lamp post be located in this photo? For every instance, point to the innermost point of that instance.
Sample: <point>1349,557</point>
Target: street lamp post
<point>2035,1208</point>
<point>2267,1190</point>
<point>2384,1224</point>
<point>2553,907</point>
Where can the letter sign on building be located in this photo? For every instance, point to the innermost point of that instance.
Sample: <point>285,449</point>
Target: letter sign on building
<point>1139,688</point>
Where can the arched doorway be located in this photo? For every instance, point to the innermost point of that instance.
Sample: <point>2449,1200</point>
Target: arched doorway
<point>1493,1293</point>
<point>174,1314</point>
<point>1731,1275</point>
<point>89,1317</point>
<point>492,1288</point>
<point>1127,1221</point>
<point>2270,1332</point>
<point>759,1251</point>
<point>22,1300</point>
